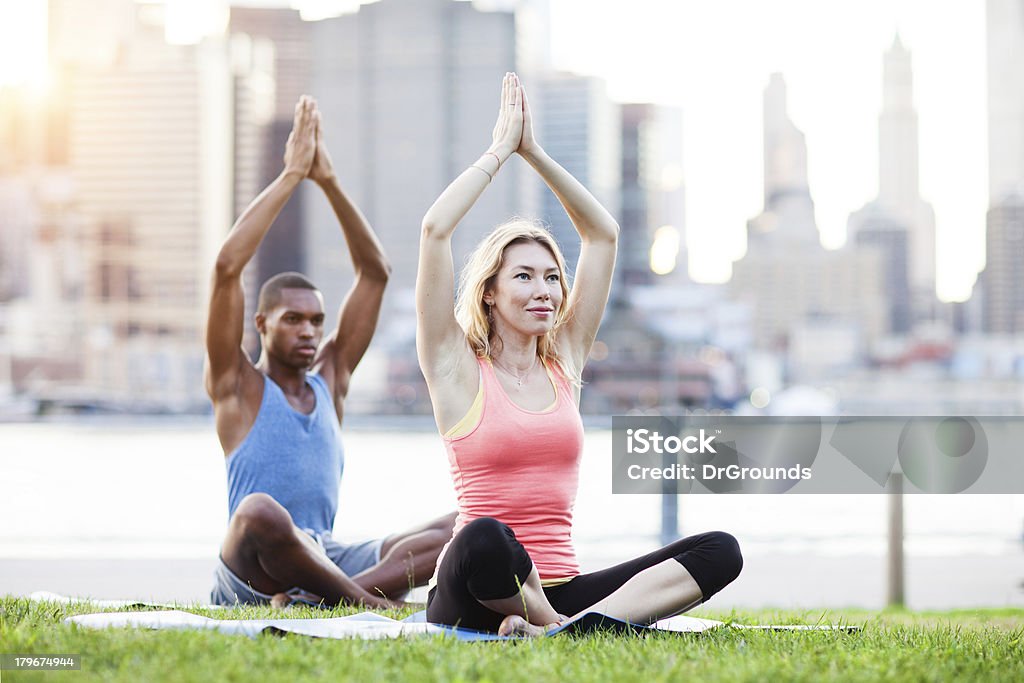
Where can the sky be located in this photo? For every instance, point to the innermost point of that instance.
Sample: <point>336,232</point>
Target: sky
<point>714,59</point>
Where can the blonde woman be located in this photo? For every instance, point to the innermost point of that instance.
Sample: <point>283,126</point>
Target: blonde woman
<point>503,370</point>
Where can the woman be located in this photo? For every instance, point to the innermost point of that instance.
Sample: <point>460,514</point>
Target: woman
<point>503,371</point>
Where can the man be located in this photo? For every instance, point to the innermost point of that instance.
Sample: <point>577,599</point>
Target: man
<point>279,420</point>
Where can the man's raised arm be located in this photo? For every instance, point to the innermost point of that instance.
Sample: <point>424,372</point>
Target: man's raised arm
<point>225,323</point>
<point>357,317</point>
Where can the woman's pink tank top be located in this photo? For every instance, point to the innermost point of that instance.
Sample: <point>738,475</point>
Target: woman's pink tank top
<point>522,468</point>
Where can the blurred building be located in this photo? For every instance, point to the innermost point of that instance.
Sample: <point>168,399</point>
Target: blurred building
<point>533,33</point>
<point>41,319</point>
<point>288,37</point>
<point>652,213</point>
<point>24,134</point>
<point>408,91</point>
<point>786,277</point>
<point>18,218</point>
<point>898,222</point>
<point>788,215</point>
<point>157,139</point>
<point>1004,266</point>
<point>898,177</point>
<point>873,228</point>
<point>579,128</point>
<point>1005,40</point>
<point>1003,304</point>
<point>90,35</point>
<point>254,107</point>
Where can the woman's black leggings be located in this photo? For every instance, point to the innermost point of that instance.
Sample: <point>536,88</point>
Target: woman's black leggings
<point>486,562</point>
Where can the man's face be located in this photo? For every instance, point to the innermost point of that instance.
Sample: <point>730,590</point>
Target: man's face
<point>291,331</point>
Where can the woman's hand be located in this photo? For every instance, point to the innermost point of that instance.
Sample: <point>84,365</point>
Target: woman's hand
<point>508,131</point>
<point>528,143</point>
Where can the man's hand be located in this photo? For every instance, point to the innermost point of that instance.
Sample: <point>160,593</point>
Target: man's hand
<point>322,169</point>
<point>301,147</point>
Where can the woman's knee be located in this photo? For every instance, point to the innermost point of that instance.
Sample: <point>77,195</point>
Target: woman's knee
<point>714,561</point>
<point>728,555</point>
<point>486,535</point>
<point>494,563</point>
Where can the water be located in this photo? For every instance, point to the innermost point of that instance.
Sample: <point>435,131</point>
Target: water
<point>156,489</point>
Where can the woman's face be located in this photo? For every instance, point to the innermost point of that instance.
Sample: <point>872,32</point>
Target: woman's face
<point>527,290</point>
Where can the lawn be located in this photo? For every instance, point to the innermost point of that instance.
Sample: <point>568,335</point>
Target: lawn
<point>893,645</point>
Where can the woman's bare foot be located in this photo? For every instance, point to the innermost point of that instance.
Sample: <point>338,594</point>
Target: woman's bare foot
<point>515,625</point>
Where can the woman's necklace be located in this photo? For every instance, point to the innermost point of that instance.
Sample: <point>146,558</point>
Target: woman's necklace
<point>518,379</point>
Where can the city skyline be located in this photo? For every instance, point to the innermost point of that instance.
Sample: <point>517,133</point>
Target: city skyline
<point>835,98</point>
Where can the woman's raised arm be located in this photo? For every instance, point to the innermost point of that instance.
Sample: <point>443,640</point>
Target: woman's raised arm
<point>439,339</point>
<point>599,233</point>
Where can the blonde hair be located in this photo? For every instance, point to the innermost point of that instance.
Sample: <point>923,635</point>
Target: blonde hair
<point>482,267</point>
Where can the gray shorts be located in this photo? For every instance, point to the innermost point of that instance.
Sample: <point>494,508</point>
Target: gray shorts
<point>351,558</point>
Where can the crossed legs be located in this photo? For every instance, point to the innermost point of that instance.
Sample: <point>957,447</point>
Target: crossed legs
<point>408,559</point>
<point>264,548</point>
<point>486,581</point>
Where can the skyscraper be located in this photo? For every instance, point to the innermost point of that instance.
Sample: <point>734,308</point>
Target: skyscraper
<point>898,183</point>
<point>1005,39</point>
<point>151,155</point>
<point>579,127</point>
<point>653,197</point>
<point>283,249</point>
<point>898,221</point>
<point>1003,303</point>
<point>786,276</point>
<point>408,90</point>
<point>788,208</point>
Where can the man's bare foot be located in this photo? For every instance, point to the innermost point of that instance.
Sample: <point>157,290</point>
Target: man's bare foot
<point>286,600</point>
<point>515,625</point>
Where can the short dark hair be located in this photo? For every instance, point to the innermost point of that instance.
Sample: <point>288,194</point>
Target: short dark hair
<point>270,292</point>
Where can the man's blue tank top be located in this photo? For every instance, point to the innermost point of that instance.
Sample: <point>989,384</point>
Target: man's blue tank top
<point>297,459</point>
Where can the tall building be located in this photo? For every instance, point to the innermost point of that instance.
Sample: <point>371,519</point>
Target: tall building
<point>788,208</point>
<point>876,230</point>
<point>1005,39</point>
<point>293,53</point>
<point>580,129</point>
<point>18,218</point>
<point>909,252</point>
<point>283,249</point>
<point>1003,305</point>
<point>408,91</point>
<point>151,156</point>
<point>23,130</point>
<point>90,35</point>
<point>652,204</point>
<point>42,324</point>
<point>787,277</point>
<point>898,178</point>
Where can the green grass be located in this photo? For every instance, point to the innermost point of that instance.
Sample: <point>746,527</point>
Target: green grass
<point>893,645</point>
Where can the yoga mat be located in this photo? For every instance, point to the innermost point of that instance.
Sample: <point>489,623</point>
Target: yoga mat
<point>372,626</point>
<point>46,596</point>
